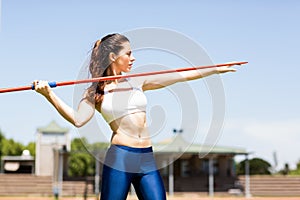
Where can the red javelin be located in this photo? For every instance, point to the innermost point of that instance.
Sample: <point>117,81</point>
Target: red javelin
<point>106,78</point>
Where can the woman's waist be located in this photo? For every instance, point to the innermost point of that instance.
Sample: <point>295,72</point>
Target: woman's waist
<point>130,139</point>
<point>132,149</point>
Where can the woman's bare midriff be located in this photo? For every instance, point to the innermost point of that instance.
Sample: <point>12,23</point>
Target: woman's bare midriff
<point>131,130</point>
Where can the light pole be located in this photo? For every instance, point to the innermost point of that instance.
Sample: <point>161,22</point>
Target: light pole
<point>247,177</point>
<point>177,130</point>
<point>171,167</point>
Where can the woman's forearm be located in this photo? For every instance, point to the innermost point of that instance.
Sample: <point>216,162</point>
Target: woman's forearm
<point>77,118</point>
<point>163,80</point>
<point>63,109</point>
<point>197,74</point>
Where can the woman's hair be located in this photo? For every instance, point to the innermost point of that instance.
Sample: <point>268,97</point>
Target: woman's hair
<point>100,62</point>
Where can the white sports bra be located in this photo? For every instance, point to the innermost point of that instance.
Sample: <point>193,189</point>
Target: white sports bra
<point>123,100</point>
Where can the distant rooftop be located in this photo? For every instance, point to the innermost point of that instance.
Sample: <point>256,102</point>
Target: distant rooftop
<point>53,127</point>
<point>179,144</point>
<point>24,157</point>
<point>18,158</point>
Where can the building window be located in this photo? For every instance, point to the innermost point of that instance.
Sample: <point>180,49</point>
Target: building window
<point>205,166</point>
<point>185,168</point>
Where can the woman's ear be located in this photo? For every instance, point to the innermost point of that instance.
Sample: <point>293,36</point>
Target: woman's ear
<point>112,57</point>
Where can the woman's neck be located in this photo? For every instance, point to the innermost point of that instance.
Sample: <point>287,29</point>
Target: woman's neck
<point>112,71</point>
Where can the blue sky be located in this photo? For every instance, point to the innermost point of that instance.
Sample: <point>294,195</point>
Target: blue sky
<point>51,39</point>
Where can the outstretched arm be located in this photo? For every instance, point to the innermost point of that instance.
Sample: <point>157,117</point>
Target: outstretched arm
<point>162,80</point>
<point>77,117</point>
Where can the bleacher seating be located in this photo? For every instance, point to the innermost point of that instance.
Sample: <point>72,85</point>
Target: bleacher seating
<point>28,185</point>
<point>25,184</point>
<point>273,185</point>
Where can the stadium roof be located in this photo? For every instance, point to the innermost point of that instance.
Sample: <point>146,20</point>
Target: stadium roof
<point>179,144</point>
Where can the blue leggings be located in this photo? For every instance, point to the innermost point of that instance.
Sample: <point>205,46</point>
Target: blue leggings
<point>125,165</point>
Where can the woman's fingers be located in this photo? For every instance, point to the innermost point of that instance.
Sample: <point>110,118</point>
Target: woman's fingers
<point>225,69</point>
<point>41,86</point>
<point>34,83</point>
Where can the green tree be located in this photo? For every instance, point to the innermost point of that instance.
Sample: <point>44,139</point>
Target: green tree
<point>11,148</point>
<point>81,162</point>
<point>98,146</point>
<point>2,138</point>
<point>257,166</point>
<point>31,148</point>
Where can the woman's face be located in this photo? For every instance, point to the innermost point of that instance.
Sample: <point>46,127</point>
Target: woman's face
<point>125,59</point>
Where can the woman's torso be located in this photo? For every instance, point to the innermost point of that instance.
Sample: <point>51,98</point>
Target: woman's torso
<point>124,108</point>
<point>131,130</point>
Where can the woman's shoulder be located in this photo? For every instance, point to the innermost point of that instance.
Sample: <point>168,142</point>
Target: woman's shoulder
<point>136,82</point>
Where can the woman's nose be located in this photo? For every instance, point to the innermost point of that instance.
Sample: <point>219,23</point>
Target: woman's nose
<point>132,58</point>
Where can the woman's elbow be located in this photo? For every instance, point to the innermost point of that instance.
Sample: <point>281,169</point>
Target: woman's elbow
<point>78,124</point>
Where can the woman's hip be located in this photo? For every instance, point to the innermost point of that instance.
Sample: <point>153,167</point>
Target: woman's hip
<point>130,159</point>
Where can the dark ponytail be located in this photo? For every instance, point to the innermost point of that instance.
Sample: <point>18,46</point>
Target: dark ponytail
<point>112,43</point>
